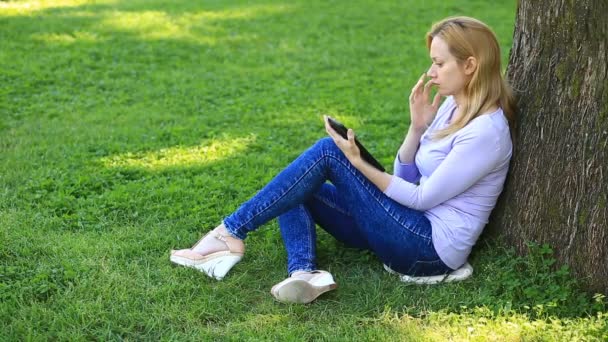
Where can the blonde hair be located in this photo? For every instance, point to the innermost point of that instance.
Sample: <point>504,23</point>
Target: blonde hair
<point>467,37</point>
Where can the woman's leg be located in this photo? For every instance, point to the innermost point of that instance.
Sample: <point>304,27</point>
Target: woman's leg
<point>379,218</point>
<point>360,216</point>
<point>328,208</point>
<point>401,237</point>
<point>298,229</point>
<point>287,190</point>
<point>292,187</point>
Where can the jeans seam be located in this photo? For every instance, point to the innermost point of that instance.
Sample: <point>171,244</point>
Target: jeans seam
<point>430,238</point>
<point>298,180</point>
<point>311,241</point>
<point>331,205</point>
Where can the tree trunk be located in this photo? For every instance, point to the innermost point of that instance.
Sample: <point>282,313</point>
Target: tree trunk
<point>557,190</point>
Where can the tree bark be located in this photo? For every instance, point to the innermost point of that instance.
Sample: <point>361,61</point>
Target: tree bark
<point>557,189</point>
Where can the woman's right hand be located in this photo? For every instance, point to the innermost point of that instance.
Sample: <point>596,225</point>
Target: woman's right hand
<point>422,110</point>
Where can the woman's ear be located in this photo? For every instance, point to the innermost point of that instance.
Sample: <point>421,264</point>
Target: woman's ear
<point>470,65</point>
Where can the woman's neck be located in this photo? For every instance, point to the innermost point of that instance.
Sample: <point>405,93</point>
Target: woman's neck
<point>459,99</point>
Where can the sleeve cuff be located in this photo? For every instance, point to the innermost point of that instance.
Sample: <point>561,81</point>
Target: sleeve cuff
<point>406,171</point>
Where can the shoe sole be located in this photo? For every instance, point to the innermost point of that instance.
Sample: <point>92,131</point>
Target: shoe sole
<point>216,268</point>
<point>300,291</point>
<point>464,272</point>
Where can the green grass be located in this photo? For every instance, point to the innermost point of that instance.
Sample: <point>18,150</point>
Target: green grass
<point>128,128</point>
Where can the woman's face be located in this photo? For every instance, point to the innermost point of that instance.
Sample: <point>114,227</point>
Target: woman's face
<point>446,73</point>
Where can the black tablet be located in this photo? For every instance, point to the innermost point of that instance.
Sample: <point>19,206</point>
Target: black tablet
<point>341,129</point>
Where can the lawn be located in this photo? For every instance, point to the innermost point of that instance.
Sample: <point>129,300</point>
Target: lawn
<point>128,128</point>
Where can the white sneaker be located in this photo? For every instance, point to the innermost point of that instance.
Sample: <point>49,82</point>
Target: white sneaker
<point>462,273</point>
<point>303,286</point>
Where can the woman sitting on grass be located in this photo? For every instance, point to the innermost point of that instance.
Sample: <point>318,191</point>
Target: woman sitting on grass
<point>421,221</point>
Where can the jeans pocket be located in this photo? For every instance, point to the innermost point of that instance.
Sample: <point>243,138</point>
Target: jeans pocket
<point>423,268</point>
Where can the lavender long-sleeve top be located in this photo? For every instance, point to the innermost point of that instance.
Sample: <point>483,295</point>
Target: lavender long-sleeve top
<point>456,180</point>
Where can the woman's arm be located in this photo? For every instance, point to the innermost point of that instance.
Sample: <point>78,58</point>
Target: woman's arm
<point>422,113</point>
<point>379,178</point>
<point>409,147</point>
<point>474,155</point>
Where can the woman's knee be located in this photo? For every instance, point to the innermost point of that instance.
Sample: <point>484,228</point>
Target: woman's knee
<point>326,144</point>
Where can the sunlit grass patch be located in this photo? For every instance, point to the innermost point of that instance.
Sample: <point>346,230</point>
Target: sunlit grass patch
<point>146,24</point>
<point>8,8</point>
<point>64,38</point>
<point>481,324</point>
<point>182,156</point>
<point>246,12</point>
<point>200,27</point>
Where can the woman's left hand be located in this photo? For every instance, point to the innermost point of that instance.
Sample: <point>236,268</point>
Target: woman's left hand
<point>347,146</point>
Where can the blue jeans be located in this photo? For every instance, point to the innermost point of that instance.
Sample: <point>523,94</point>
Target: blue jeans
<point>351,208</point>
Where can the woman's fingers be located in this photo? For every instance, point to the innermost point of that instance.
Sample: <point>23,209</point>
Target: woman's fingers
<point>436,101</point>
<point>418,85</point>
<point>329,129</point>
<point>348,145</point>
<point>332,132</point>
<point>427,89</point>
<point>350,134</point>
<point>422,89</point>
